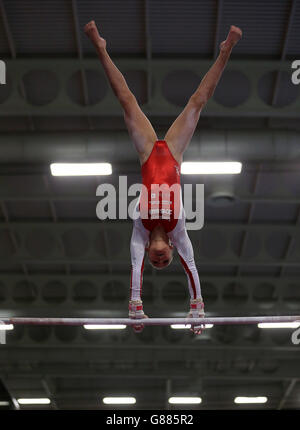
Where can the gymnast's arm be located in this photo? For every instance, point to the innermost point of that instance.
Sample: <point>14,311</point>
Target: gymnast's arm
<point>139,239</point>
<point>182,242</point>
<point>184,247</point>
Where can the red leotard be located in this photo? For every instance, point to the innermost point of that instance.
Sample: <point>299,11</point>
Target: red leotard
<point>160,168</point>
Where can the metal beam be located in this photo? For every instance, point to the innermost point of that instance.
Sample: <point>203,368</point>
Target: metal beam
<point>59,351</point>
<point>12,397</point>
<point>201,364</point>
<point>55,219</point>
<point>280,149</point>
<point>250,217</point>
<point>89,198</point>
<point>284,50</point>
<point>290,245</point>
<point>148,49</point>
<point>12,234</point>
<point>13,53</point>
<point>158,105</point>
<point>287,393</point>
<point>219,263</point>
<point>80,56</point>
<point>49,392</point>
<point>8,32</point>
<point>218,25</point>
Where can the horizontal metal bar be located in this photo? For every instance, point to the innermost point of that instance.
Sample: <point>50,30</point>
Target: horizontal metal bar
<point>149,321</point>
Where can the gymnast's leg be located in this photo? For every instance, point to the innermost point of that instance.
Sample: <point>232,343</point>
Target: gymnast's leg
<point>181,131</point>
<point>138,125</point>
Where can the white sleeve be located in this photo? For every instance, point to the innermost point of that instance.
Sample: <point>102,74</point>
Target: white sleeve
<point>139,239</point>
<point>182,242</point>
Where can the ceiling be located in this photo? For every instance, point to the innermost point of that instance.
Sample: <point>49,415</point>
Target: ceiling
<point>58,259</point>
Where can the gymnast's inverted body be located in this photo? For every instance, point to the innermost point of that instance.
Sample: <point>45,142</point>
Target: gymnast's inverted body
<point>156,231</point>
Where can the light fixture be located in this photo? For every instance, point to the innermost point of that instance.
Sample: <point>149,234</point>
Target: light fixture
<point>80,169</point>
<point>119,400</point>
<point>186,326</point>
<point>211,168</point>
<point>244,400</point>
<point>185,400</point>
<point>39,401</point>
<point>6,327</point>
<point>293,324</point>
<point>104,327</point>
<point>4,403</point>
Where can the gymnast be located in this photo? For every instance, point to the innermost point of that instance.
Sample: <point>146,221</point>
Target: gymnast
<point>159,229</point>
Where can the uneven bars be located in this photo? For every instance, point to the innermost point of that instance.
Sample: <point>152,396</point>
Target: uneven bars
<point>149,321</point>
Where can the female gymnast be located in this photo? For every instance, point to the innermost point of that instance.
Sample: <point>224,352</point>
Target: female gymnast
<point>158,230</point>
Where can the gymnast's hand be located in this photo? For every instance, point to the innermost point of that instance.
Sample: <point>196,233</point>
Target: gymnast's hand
<point>136,312</point>
<point>91,31</point>
<point>196,311</point>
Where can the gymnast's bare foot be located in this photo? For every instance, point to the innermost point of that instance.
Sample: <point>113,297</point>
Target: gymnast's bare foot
<point>92,33</point>
<point>234,35</point>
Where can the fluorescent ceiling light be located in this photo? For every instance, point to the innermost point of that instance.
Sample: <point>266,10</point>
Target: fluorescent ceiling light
<point>6,327</point>
<point>80,169</point>
<point>293,324</point>
<point>104,327</point>
<point>40,401</point>
<point>119,400</point>
<point>242,400</point>
<point>4,403</point>
<point>211,168</point>
<point>183,326</point>
<point>185,400</point>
